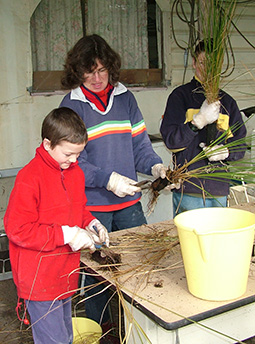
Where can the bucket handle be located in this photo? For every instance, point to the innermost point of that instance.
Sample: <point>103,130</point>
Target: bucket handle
<point>205,243</point>
<point>205,240</point>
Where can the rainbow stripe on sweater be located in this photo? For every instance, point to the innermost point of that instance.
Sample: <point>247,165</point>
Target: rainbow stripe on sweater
<point>115,127</point>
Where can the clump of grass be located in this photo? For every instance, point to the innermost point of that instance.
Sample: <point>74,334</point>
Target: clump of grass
<point>234,172</point>
<point>215,22</point>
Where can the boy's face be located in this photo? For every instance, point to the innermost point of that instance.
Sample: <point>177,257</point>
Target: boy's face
<point>64,153</point>
<point>199,66</point>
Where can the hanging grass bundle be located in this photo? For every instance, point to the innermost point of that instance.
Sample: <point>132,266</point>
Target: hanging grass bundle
<point>215,18</point>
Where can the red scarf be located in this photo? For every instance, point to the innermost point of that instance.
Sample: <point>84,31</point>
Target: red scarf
<point>100,99</point>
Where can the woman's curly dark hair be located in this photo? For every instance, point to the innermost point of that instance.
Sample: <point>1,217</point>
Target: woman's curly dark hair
<point>82,59</point>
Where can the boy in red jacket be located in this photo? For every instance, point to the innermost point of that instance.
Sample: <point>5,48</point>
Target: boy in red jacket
<point>47,223</point>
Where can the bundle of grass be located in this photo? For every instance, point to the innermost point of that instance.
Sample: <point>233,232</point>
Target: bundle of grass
<point>215,18</point>
<point>215,22</point>
<point>233,172</point>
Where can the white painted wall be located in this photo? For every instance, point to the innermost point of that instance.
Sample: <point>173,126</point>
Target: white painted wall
<point>21,115</point>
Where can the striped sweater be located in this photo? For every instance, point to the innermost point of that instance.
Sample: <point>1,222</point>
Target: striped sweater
<point>117,141</point>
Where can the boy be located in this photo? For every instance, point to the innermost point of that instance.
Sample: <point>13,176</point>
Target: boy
<point>185,130</point>
<point>47,223</point>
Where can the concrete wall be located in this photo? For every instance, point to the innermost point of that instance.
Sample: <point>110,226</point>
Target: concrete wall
<point>21,115</point>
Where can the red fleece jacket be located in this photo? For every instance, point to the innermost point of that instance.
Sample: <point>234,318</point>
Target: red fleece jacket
<point>43,199</point>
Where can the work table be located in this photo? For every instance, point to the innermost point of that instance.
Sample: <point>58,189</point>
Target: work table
<point>160,293</point>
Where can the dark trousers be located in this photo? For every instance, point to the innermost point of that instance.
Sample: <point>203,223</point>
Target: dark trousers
<point>116,220</point>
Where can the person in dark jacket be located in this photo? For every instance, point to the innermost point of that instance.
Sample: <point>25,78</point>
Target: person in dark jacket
<point>185,131</point>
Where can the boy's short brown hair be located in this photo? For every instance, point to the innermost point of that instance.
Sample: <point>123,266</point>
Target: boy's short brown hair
<point>63,124</point>
<point>203,46</point>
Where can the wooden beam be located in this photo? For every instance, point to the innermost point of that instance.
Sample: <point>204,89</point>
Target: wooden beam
<point>50,81</point>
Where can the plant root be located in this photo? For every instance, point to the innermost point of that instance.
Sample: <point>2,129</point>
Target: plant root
<point>107,258</point>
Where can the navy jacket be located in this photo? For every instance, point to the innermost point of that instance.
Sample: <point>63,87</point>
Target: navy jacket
<point>182,104</point>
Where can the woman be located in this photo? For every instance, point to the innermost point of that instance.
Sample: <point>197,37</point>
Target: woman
<point>118,144</point>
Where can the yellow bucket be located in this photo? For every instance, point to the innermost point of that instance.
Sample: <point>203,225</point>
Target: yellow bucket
<point>86,331</point>
<point>216,246</point>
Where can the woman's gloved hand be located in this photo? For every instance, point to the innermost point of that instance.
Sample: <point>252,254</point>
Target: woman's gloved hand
<point>159,170</point>
<point>208,114</point>
<point>216,152</point>
<point>78,238</point>
<point>98,232</point>
<point>122,186</point>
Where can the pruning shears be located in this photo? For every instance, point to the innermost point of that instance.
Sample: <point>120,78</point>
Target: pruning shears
<point>144,184</point>
<point>97,246</point>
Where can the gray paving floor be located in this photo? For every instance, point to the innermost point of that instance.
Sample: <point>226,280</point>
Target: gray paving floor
<point>10,331</point>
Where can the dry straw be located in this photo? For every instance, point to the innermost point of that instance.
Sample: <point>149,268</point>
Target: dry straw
<point>147,251</point>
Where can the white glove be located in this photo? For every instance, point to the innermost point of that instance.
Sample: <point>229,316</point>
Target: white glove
<point>208,114</point>
<point>98,232</point>
<point>122,186</point>
<point>159,170</point>
<point>216,152</point>
<point>173,186</point>
<point>78,238</point>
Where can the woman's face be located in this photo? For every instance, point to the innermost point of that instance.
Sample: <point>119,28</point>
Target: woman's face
<point>97,80</point>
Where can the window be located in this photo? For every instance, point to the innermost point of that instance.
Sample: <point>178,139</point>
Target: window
<point>131,27</point>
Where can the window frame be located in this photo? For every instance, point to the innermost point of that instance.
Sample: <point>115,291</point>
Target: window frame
<point>50,81</point>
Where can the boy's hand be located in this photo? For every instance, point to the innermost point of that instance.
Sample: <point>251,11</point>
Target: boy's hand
<point>208,114</point>
<point>78,238</point>
<point>172,186</point>
<point>216,152</point>
<point>122,186</point>
<point>98,232</point>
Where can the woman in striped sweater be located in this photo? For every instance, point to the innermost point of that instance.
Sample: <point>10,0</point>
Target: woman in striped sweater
<point>118,144</point>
